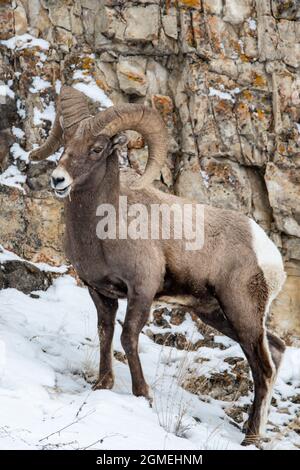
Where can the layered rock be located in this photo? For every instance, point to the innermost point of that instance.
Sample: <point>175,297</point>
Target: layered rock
<point>223,74</point>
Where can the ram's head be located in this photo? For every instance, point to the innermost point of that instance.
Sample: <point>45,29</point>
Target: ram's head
<point>87,138</point>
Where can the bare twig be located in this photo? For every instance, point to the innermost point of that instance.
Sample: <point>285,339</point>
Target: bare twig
<point>100,441</point>
<point>67,426</point>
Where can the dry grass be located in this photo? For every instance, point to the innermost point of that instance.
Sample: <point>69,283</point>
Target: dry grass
<point>170,402</point>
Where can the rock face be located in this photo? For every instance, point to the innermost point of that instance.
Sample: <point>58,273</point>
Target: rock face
<point>223,74</point>
<point>23,276</point>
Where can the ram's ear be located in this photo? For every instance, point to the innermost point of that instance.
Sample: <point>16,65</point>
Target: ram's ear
<point>119,141</point>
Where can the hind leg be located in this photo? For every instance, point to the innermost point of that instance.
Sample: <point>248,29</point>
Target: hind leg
<point>244,302</point>
<point>212,314</point>
<point>264,375</point>
<point>216,318</point>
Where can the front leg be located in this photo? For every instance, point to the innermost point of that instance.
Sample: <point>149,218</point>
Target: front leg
<point>106,310</point>
<point>137,313</point>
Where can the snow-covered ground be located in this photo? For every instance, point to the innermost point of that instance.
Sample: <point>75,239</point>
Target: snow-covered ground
<point>49,357</point>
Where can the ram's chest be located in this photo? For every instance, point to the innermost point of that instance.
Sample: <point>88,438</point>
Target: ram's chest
<point>82,246</point>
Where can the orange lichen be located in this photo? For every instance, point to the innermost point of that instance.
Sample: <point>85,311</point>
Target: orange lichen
<point>43,258</point>
<point>213,24</point>
<point>222,106</point>
<point>247,95</point>
<point>189,36</point>
<point>242,111</point>
<point>163,104</point>
<point>242,107</point>
<point>6,24</point>
<point>260,114</point>
<point>197,27</point>
<point>134,77</point>
<point>87,63</point>
<point>221,172</point>
<point>244,58</point>
<point>168,4</point>
<point>191,3</point>
<point>102,84</point>
<point>259,80</point>
<point>236,46</point>
<point>281,148</point>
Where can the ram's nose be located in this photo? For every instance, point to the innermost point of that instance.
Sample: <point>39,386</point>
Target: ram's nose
<point>61,182</point>
<point>58,181</point>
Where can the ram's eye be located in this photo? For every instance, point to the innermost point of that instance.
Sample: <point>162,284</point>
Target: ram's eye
<point>97,149</point>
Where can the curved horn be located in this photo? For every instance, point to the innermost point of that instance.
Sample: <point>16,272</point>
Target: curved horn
<point>52,143</point>
<point>72,108</point>
<point>147,122</point>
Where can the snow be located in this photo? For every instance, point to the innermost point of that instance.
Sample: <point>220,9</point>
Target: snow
<point>17,132</point>
<point>47,114</point>
<point>19,153</point>
<point>39,84</point>
<point>57,86</point>
<point>21,109</point>
<point>223,95</point>
<point>24,41</point>
<point>187,328</point>
<point>252,24</point>
<point>6,91</point>
<point>290,367</point>
<point>12,177</point>
<point>56,156</point>
<point>223,340</point>
<point>89,87</point>
<point>95,93</point>
<point>43,57</point>
<point>205,177</point>
<point>6,255</point>
<point>50,354</point>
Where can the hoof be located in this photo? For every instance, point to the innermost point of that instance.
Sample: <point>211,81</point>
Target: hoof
<point>146,394</point>
<point>149,399</point>
<point>251,440</point>
<point>103,384</point>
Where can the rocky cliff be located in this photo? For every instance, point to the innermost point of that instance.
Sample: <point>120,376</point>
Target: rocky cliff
<point>224,74</point>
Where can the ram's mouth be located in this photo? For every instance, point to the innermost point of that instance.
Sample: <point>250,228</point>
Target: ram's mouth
<point>61,193</point>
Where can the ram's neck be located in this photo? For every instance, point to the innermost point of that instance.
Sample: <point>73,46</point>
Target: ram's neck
<point>102,187</point>
<point>81,217</point>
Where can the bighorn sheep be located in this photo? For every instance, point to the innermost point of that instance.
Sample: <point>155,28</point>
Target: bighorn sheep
<point>238,264</point>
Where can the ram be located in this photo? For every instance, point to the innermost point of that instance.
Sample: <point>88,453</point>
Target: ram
<point>238,264</point>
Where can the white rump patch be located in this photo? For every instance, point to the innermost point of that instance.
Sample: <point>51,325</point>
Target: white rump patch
<point>270,261</point>
<point>268,258</point>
